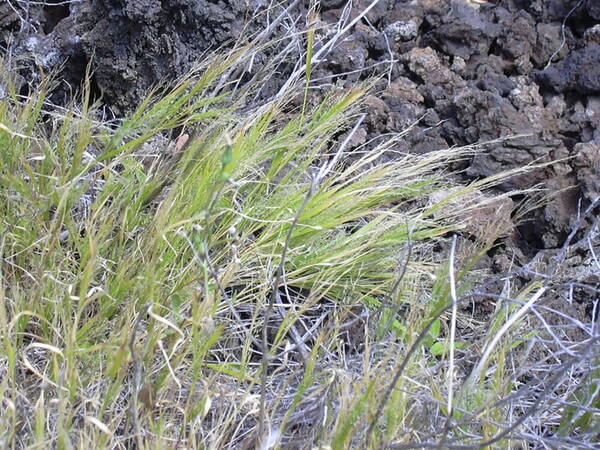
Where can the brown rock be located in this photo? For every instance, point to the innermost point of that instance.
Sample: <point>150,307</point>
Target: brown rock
<point>587,162</point>
<point>426,63</point>
<point>377,114</point>
<point>592,35</point>
<point>402,89</point>
<point>561,210</point>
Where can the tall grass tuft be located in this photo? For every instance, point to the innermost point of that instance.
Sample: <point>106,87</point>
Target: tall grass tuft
<point>139,305</point>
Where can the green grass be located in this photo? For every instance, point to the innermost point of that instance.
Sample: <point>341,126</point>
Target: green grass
<point>136,274</point>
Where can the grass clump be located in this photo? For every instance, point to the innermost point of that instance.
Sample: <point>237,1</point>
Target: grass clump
<point>208,274</point>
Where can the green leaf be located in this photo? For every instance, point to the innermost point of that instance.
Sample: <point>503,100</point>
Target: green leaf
<point>438,349</point>
<point>442,347</point>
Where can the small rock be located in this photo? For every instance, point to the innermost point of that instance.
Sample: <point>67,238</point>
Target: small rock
<point>402,89</point>
<point>518,36</point>
<point>426,63</point>
<point>550,43</point>
<point>556,105</point>
<point>592,35</point>
<point>348,56</point>
<point>587,161</point>
<point>458,65</point>
<point>580,72</point>
<point>402,31</point>
<point>378,112</point>
<point>464,31</point>
<point>593,9</point>
<point>561,211</point>
<point>525,94</point>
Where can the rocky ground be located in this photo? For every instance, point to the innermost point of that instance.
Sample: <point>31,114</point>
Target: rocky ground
<point>454,72</point>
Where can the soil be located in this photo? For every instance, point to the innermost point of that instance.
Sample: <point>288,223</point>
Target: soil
<point>456,72</point>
